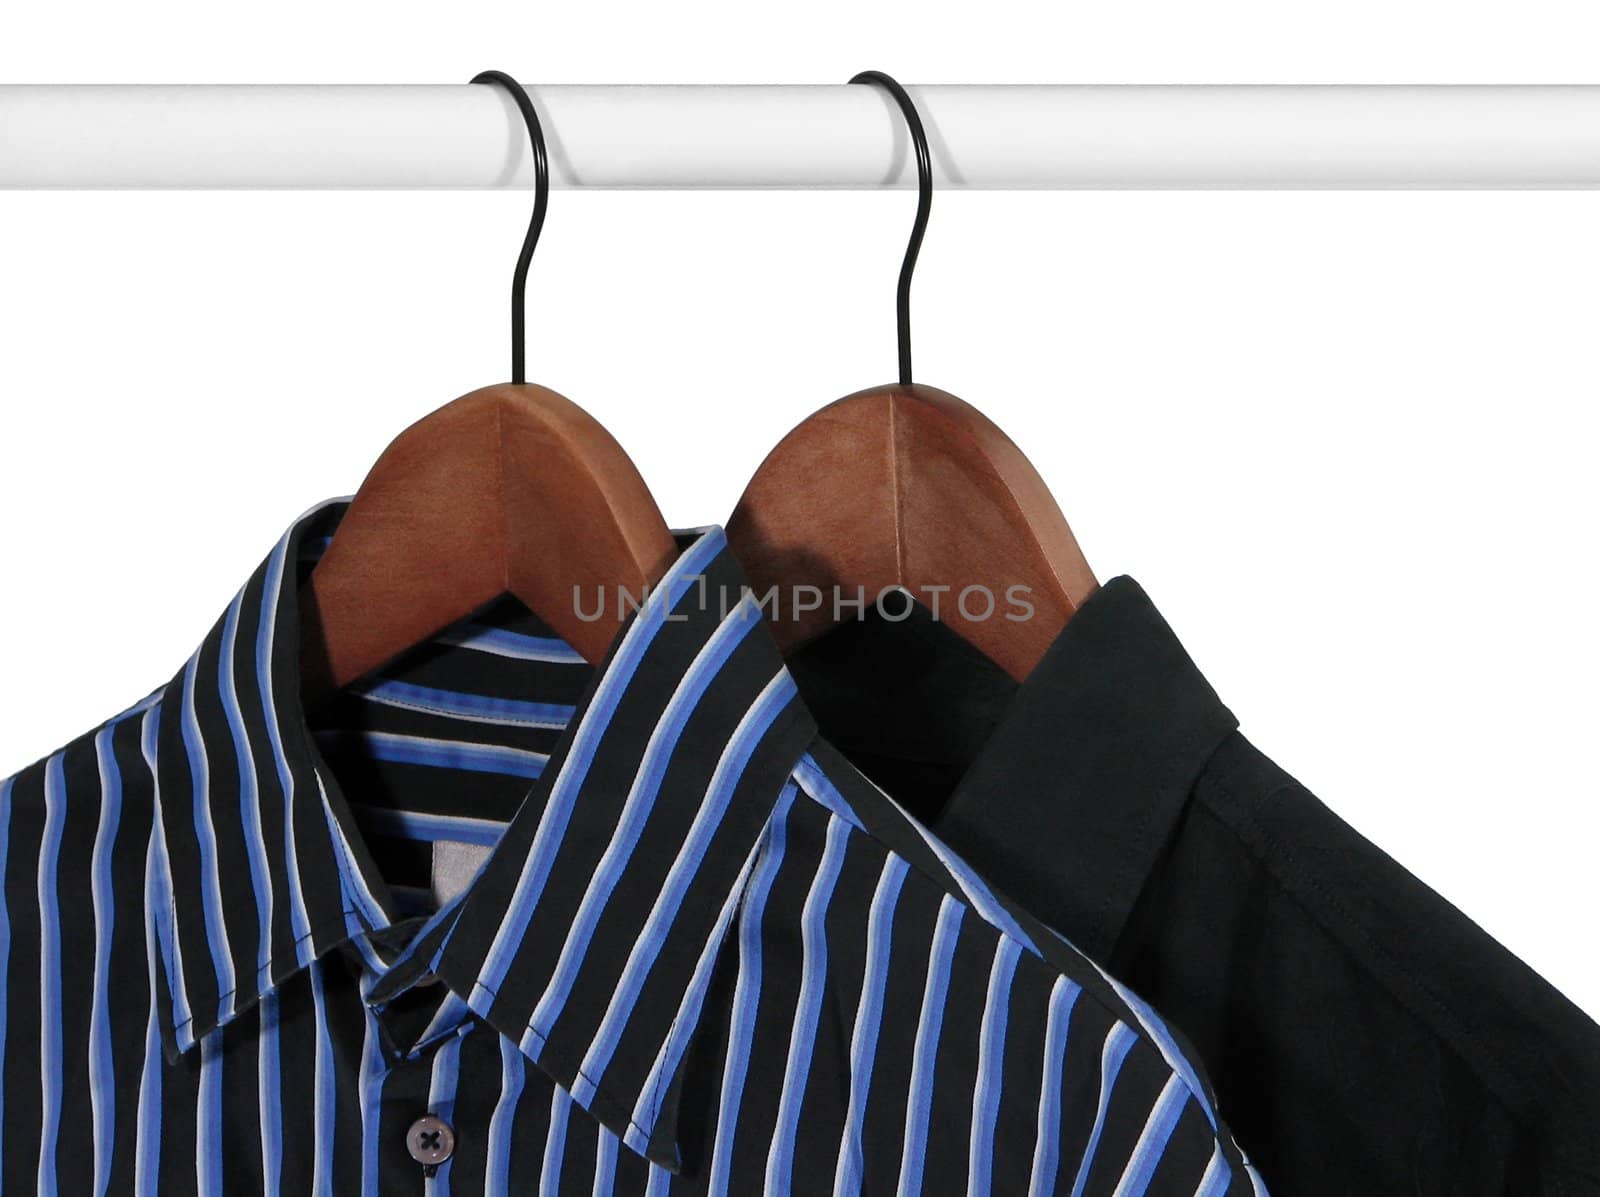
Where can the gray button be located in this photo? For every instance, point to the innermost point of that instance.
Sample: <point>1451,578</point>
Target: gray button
<point>430,1141</point>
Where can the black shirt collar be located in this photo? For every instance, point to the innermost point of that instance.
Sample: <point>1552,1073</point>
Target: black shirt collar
<point>1115,707</point>
<point>637,832</point>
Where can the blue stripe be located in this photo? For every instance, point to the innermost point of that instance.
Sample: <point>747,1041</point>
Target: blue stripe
<point>660,1182</point>
<point>206,841</point>
<point>147,1142</point>
<point>555,1140</point>
<point>746,996</point>
<point>269,1084</point>
<point>991,1063</point>
<point>511,644</point>
<point>1153,1142</point>
<point>1118,1044</point>
<point>102,1088</point>
<point>736,756</point>
<point>442,754</point>
<point>442,1100</point>
<point>249,797</point>
<point>428,828</point>
<point>1217,1178</point>
<point>208,1129</point>
<point>636,811</point>
<point>930,1023</point>
<point>481,708</point>
<point>497,1166</point>
<point>808,1009</point>
<point>1047,1146</point>
<point>266,632</point>
<point>869,1020</point>
<point>50,1030</point>
<point>636,642</point>
<point>324,1090</point>
<point>374,1071</point>
<point>605,1161</point>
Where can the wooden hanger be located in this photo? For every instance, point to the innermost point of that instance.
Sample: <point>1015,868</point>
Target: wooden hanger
<point>907,486</point>
<point>510,489</point>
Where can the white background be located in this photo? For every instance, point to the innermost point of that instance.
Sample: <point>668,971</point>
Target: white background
<point>1346,440</point>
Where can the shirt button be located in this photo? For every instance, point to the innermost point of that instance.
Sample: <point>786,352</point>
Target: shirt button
<point>430,1141</point>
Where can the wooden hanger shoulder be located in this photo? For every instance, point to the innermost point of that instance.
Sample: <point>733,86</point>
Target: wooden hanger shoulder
<point>509,489</point>
<point>909,486</point>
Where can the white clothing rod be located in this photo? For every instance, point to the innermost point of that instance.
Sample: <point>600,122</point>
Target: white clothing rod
<point>825,136</point>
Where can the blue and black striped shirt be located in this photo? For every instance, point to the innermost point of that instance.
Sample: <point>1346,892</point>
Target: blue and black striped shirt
<point>494,921</point>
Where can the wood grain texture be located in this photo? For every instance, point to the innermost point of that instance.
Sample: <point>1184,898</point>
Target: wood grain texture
<point>909,486</point>
<point>510,489</point>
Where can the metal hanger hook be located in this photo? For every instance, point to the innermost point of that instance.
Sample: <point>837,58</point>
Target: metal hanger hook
<point>919,142</point>
<point>541,201</point>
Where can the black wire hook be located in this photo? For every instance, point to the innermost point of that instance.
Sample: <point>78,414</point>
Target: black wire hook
<point>919,142</point>
<point>541,201</point>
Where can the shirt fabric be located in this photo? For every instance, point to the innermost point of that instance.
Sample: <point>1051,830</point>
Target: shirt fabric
<point>703,953</point>
<point>1365,1037</point>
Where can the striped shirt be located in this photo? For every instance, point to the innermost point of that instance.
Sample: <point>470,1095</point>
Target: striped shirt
<point>626,930</point>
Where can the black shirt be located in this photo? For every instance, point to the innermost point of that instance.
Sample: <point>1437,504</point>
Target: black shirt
<point>1365,1037</point>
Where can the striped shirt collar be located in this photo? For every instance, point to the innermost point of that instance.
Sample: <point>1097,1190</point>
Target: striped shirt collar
<point>639,831</point>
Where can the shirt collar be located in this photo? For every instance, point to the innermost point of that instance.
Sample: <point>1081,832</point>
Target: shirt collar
<point>589,933</point>
<point>1116,707</point>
